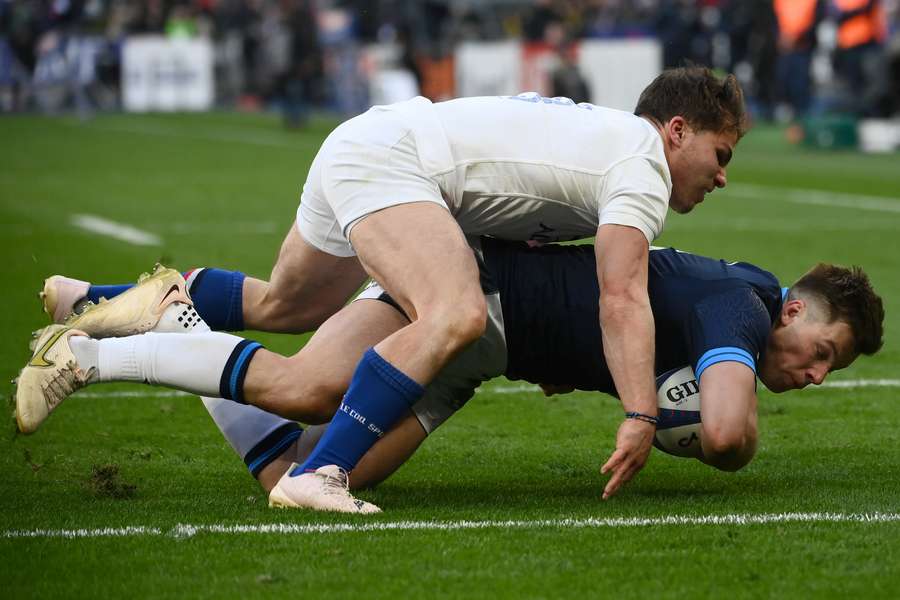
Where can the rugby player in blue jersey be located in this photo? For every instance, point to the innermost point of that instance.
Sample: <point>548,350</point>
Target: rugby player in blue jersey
<point>732,322</point>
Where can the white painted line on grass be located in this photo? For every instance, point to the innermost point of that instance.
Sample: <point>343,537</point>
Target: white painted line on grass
<point>183,530</point>
<point>113,229</point>
<point>135,394</point>
<point>129,394</point>
<point>522,388</point>
<point>855,383</point>
<point>84,533</point>
<point>818,197</point>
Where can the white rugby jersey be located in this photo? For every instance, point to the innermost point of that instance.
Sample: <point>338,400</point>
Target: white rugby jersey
<point>546,169</point>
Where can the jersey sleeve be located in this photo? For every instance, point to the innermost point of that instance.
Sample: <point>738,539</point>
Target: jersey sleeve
<point>730,326</point>
<point>636,195</point>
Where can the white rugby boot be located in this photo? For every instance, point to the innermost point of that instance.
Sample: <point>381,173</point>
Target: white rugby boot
<point>327,488</point>
<point>60,294</point>
<point>140,309</point>
<point>51,376</point>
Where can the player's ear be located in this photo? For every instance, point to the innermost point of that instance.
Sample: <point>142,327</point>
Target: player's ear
<point>791,310</point>
<point>676,129</point>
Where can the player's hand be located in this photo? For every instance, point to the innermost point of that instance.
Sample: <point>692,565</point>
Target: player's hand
<point>552,388</point>
<point>633,442</point>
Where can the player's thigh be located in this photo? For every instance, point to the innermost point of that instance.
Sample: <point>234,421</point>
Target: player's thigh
<point>419,254</point>
<point>369,174</point>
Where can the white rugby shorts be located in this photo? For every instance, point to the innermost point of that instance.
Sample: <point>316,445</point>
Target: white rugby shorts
<point>368,163</point>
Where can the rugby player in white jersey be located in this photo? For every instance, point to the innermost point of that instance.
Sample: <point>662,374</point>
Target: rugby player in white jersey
<point>392,194</point>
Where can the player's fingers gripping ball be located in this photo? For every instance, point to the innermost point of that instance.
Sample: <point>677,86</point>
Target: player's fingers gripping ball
<point>678,398</point>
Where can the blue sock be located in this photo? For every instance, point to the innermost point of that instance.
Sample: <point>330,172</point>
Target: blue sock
<point>95,292</point>
<point>378,396</point>
<point>218,296</point>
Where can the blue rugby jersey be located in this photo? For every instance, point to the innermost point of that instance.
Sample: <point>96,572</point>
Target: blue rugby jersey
<point>706,311</point>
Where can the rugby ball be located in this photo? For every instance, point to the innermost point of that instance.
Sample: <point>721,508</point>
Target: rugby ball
<point>678,398</point>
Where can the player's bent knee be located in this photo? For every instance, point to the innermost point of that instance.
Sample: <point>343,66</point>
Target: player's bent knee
<point>465,321</point>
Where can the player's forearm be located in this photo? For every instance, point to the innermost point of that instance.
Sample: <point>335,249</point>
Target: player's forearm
<point>626,322</point>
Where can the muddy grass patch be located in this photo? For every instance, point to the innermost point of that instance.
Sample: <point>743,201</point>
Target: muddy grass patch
<point>105,482</point>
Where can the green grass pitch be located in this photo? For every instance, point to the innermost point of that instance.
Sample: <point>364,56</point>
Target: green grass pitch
<point>222,189</point>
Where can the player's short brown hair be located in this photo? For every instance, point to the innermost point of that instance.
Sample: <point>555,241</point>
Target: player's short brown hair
<point>707,102</point>
<point>846,295</point>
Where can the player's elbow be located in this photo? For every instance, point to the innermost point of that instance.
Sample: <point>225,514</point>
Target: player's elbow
<point>723,441</point>
<point>728,449</point>
<point>621,306</point>
<point>616,291</point>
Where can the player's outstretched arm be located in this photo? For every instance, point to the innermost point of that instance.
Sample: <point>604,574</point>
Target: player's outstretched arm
<point>626,323</point>
<point>728,409</point>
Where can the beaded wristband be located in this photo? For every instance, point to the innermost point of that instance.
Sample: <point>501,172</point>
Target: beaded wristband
<point>642,417</point>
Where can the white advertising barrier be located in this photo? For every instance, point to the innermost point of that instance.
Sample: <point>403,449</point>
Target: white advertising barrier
<point>617,71</point>
<point>878,135</point>
<point>161,74</point>
<point>489,68</point>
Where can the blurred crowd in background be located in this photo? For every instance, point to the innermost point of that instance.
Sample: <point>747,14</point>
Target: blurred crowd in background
<point>794,57</point>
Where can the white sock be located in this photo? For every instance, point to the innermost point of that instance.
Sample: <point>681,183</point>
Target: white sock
<point>178,317</point>
<point>192,363</point>
<point>86,352</point>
